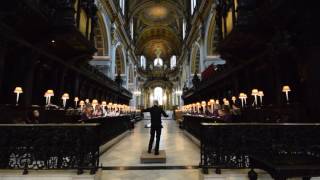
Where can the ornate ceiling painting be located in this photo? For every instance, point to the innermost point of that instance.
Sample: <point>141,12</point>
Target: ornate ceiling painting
<point>158,27</point>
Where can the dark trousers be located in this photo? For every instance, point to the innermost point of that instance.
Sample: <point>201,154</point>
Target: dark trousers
<point>152,132</point>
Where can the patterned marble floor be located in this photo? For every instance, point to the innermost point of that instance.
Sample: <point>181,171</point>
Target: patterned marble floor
<point>180,150</point>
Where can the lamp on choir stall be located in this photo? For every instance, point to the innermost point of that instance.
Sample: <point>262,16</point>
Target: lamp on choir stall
<point>198,107</point>
<point>81,103</point>
<point>211,104</point>
<point>48,95</point>
<point>226,103</point>
<point>260,94</point>
<point>76,99</point>
<point>193,107</point>
<point>109,106</point>
<point>64,98</point>
<point>104,104</point>
<point>242,96</point>
<point>254,93</point>
<point>286,89</point>
<point>234,99</point>
<point>217,102</point>
<point>115,107</point>
<point>18,91</point>
<point>203,104</point>
<point>94,104</point>
<point>87,101</point>
<point>224,99</point>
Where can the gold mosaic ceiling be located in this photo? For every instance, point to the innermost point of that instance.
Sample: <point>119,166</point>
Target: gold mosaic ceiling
<point>158,26</point>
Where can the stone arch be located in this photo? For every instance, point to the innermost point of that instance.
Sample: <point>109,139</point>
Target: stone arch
<point>212,38</point>
<point>102,39</point>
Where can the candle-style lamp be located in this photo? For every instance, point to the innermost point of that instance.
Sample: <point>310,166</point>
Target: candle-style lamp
<point>233,98</point>
<point>104,104</point>
<point>64,98</point>
<point>242,96</point>
<point>76,99</point>
<point>260,94</point>
<point>47,97</point>
<point>198,107</point>
<point>211,104</point>
<point>254,93</point>
<point>286,89</point>
<point>18,91</point>
<point>203,104</point>
<point>81,103</point>
<point>94,104</point>
<point>49,94</point>
<point>109,106</point>
<point>226,103</point>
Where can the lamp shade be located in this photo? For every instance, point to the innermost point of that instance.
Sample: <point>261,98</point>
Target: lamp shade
<point>65,96</point>
<point>217,101</point>
<point>76,99</point>
<point>50,92</point>
<point>260,93</point>
<point>110,104</point>
<point>226,103</point>
<point>211,101</point>
<point>94,102</point>
<point>254,92</point>
<point>203,103</point>
<point>87,101</point>
<point>81,103</point>
<point>104,103</point>
<point>18,90</point>
<point>241,95</point>
<point>233,98</point>
<point>286,88</point>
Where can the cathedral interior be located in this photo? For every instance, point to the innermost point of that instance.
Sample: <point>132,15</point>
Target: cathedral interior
<point>238,79</point>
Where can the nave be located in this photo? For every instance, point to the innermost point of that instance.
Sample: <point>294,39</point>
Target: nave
<point>122,161</point>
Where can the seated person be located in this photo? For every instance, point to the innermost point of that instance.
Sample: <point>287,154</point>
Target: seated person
<point>33,117</point>
<point>225,114</point>
<point>98,112</point>
<point>87,113</point>
<point>235,110</point>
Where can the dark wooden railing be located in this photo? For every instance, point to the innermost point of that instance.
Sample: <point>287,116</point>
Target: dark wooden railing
<point>58,145</point>
<point>49,146</point>
<point>232,145</point>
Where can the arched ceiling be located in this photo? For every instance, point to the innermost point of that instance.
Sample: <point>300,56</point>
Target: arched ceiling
<point>157,26</point>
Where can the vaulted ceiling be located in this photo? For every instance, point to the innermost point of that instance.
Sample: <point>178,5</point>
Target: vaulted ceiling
<point>157,26</point>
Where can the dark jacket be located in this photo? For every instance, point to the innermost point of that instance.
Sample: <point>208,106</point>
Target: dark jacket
<point>155,113</point>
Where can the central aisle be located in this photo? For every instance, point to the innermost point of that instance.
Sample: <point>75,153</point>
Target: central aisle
<point>122,161</point>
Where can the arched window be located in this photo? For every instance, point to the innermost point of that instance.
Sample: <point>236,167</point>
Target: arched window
<point>131,29</point>
<point>158,95</point>
<point>173,62</point>
<point>158,62</point>
<point>193,5</point>
<point>143,62</point>
<point>184,28</point>
<point>122,6</point>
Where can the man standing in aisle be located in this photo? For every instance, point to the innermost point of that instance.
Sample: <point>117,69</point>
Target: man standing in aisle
<point>156,126</point>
